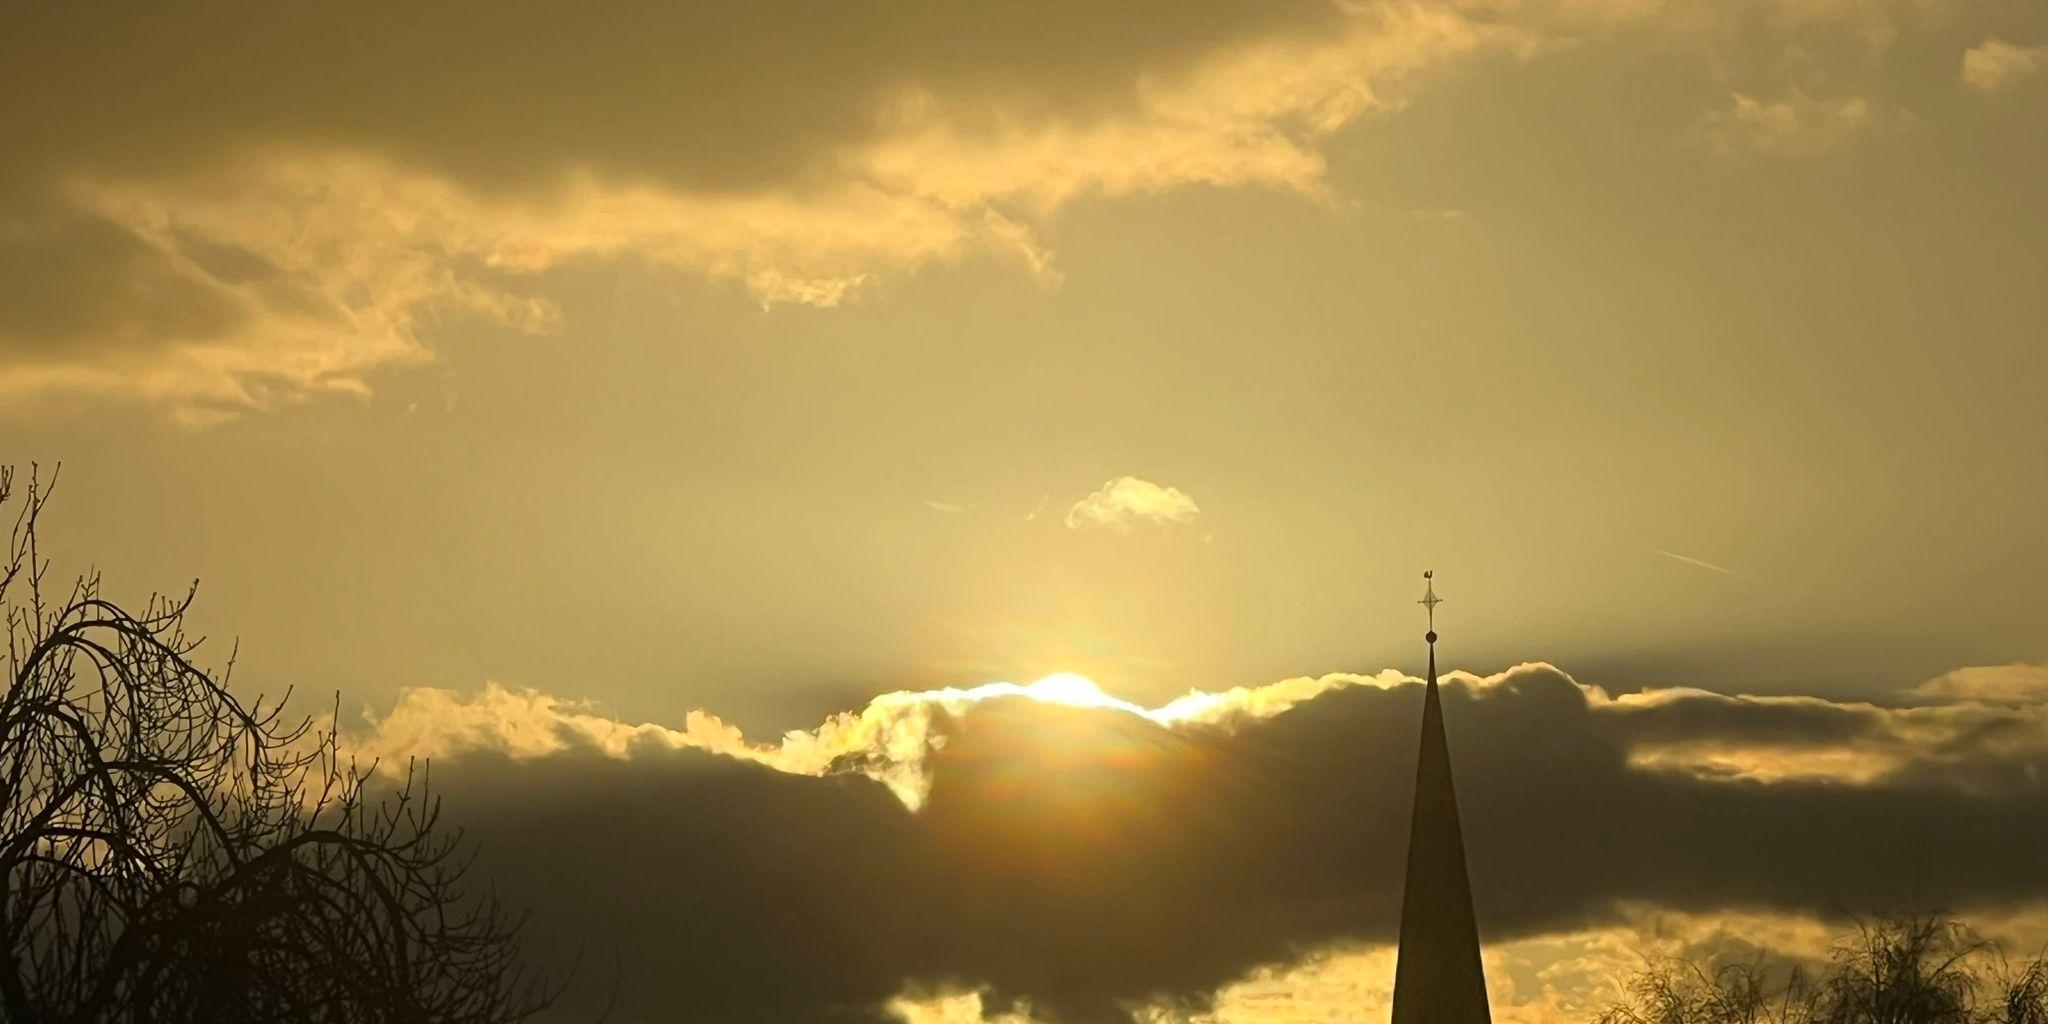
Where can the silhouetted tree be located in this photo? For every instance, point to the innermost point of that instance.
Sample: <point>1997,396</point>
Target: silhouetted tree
<point>171,853</point>
<point>1902,969</point>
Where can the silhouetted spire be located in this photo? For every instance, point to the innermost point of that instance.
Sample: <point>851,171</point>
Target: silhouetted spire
<point>1437,977</point>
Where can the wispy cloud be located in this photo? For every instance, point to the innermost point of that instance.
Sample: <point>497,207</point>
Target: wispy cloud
<point>1697,563</point>
<point>1794,125</point>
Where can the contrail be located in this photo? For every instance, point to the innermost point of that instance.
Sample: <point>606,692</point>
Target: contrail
<point>1709,566</point>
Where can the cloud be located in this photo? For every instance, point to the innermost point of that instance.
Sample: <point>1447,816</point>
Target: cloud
<point>889,740</point>
<point>296,262</point>
<point>1983,728</point>
<point>708,98</point>
<point>235,210</point>
<point>1054,850</point>
<point>2018,683</point>
<point>1794,125</point>
<point>1126,502</point>
<point>1995,64</point>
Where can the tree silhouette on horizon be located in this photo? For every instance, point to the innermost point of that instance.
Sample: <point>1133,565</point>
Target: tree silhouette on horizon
<point>169,852</point>
<point>1912,968</point>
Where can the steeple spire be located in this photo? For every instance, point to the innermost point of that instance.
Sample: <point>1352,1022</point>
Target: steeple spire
<point>1437,975</point>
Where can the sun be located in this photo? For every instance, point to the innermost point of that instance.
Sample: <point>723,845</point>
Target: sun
<point>1068,689</point>
<point>1074,689</point>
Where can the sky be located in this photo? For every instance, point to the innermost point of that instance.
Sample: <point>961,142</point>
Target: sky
<point>590,397</point>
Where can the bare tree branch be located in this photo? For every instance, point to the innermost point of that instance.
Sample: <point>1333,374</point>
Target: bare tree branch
<point>169,852</point>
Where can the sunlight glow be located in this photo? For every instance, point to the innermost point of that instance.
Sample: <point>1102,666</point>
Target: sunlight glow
<point>1077,690</point>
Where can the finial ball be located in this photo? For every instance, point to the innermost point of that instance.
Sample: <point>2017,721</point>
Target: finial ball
<point>1430,636</point>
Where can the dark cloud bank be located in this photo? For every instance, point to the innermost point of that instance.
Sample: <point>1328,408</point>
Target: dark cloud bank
<point>1084,859</point>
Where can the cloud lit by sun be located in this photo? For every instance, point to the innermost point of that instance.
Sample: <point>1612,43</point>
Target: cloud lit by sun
<point>1070,688</point>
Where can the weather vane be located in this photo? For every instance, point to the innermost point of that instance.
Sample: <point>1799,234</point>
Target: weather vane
<point>1430,601</point>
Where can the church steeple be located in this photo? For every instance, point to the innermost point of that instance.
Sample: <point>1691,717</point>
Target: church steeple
<point>1437,975</point>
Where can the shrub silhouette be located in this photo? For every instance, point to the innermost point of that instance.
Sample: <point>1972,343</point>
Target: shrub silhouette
<point>171,853</point>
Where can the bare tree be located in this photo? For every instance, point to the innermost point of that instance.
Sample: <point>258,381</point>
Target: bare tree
<point>169,852</point>
<point>1745,992</point>
<point>1918,969</point>
<point>1900,969</point>
<point>2025,993</point>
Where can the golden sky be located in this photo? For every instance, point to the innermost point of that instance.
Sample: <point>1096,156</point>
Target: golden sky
<point>728,365</point>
